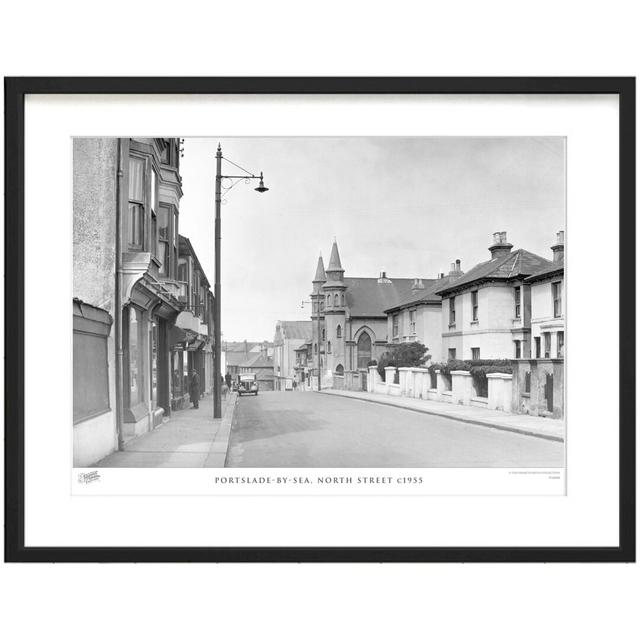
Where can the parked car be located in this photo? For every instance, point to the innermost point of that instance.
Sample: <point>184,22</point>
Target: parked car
<point>247,383</point>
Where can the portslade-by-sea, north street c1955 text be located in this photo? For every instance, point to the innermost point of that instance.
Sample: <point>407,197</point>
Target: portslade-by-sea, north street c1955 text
<point>386,479</point>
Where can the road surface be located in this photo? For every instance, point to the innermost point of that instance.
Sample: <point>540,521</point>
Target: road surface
<point>307,429</point>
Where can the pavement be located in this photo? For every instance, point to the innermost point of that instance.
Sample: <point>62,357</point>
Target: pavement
<point>294,429</point>
<point>517,423</point>
<point>190,438</point>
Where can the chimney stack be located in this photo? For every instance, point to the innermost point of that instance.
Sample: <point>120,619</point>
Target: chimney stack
<point>500,246</point>
<point>383,278</point>
<point>417,284</point>
<point>455,268</point>
<point>558,248</point>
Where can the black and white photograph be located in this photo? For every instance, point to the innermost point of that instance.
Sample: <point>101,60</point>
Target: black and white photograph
<point>319,302</point>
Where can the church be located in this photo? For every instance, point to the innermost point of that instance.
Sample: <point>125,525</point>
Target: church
<point>348,316</point>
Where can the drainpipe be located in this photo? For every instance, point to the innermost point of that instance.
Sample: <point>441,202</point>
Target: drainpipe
<point>118,304</point>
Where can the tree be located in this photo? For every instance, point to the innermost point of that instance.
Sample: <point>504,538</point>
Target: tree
<point>405,354</point>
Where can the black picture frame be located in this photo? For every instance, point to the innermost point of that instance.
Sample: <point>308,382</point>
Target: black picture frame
<point>15,91</point>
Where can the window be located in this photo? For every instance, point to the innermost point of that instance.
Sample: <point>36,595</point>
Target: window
<point>175,243</point>
<point>396,324</point>
<point>364,350</point>
<point>452,312</point>
<point>315,348</point>
<point>475,353</point>
<point>321,305</point>
<point>527,382</point>
<point>517,299</point>
<point>336,300</point>
<point>133,338</point>
<point>323,336</point>
<point>329,346</point>
<point>412,322</point>
<point>153,244</point>
<point>342,298</point>
<point>518,349</point>
<point>474,306</point>
<point>560,344</point>
<point>328,301</point>
<point>451,354</point>
<point>556,290</point>
<point>91,329</point>
<point>547,345</point>
<point>163,252</point>
<point>339,332</point>
<point>135,223</point>
<point>537,340</point>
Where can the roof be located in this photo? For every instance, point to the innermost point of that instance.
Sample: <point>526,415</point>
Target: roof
<point>556,268</point>
<point>429,294</point>
<point>235,358</point>
<point>517,264</point>
<point>257,360</point>
<point>295,329</point>
<point>366,297</point>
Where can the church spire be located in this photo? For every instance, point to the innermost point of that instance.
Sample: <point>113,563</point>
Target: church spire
<point>334,260</point>
<point>320,274</point>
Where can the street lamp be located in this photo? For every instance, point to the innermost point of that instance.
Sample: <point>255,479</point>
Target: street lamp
<point>217,387</point>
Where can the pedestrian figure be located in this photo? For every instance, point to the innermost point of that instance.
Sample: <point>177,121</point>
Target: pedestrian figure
<point>194,389</point>
<point>227,380</point>
<point>295,385</point>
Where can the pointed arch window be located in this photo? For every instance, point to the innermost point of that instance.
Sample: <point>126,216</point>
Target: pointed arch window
<point>329,346</point>
<point>342,299</point>
<point>339,332</point>
<point>336,300</point>
<point>328,300</point>
<point>364,350</point>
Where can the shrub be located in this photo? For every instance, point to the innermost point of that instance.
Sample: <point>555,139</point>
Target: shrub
<point>405,354</point>
<point>475,367</point>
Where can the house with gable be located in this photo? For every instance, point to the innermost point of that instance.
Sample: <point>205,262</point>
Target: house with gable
<point>486,312</point>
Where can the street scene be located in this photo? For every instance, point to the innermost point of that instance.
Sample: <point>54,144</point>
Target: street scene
<point>298,312</point>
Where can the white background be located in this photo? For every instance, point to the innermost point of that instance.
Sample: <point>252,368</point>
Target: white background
<point>488,38</point>
<point>587,516</point>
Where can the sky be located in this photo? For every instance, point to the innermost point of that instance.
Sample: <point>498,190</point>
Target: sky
<point>407,206</point>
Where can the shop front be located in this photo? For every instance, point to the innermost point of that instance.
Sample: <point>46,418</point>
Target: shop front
<point>146,321</point>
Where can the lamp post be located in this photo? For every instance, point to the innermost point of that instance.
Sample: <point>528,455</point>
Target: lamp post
<point>217,387</point>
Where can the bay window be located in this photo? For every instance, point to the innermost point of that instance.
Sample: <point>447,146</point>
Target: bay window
<point>153,241</point>
<point>135,223</point>
<point>163,252</point>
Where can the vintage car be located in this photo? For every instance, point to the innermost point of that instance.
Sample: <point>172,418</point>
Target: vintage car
<point>247,383</point>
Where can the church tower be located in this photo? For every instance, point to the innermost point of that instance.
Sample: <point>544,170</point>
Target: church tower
<point>334,293</point>
<point>317,315</point>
